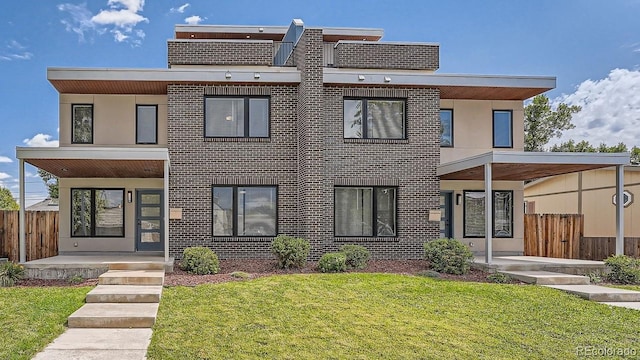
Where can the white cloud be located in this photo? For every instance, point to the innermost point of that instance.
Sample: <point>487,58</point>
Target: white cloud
<point>15,51</point>
<point>41,140</point>
<point>610,110</point>
<point>194,20</point>
<point>4,176</point>
<point>5,159</point>
<point>180,9</point>
<point>120,20</point>
<point>29,174</point>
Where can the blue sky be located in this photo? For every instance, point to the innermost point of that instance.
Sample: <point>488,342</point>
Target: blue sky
<point>591,46</point>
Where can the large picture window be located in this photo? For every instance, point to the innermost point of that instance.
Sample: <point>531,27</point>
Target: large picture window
<point>365,211</point>
<point>237,117</point>
<point>502,129</point>
<point>97,212</point>
<point>244,210</point>
<point>446,127</point>
<point>146,124</point>
<point>82,124</point>
<point>374,119</point>
<point>474,214</point>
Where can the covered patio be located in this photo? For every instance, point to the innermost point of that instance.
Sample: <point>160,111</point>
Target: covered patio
<point>523,166</point>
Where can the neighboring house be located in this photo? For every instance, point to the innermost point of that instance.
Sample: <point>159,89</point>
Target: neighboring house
<point>591,193</point>
<point>44,205</point>
<point>324,133</point>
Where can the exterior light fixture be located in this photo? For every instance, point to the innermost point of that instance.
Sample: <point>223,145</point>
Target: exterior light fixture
<point>387,79</point>
<point>261,29</point>
<point>361,77</point>
<point>227,75</point>
<point>458,199</point>
<point>129,196</point>
<point>256,75</point>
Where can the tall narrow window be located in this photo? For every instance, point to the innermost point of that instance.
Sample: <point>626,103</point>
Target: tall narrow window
<point>146,124</point>
<point>237,117</point>
<point>365,211</point>
<point>374,118</point>
<point>97,212</point>
<point>82,123</point>
<point>244,211</point>
<point>474,214</point>
<point>502,129</point>
<point>446,127</point>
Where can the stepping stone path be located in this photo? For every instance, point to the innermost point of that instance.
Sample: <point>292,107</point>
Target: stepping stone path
<point>116,321</point>
<point>580,286</point>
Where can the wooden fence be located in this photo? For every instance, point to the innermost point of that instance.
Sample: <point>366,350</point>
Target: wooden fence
<point>600,248</point>
<point>41,234</point>
<point>553,235</point>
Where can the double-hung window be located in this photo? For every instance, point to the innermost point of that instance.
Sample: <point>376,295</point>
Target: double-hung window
<point>244,210</point>
<point>82,123</point>
<point>97,212</point>
<point>374,118</point>
<point>446,127</point>
<point>230,117</point>
<point>474,214</point>
<point>502,128</point>
<point>146,124</point>
<point>365,211</point>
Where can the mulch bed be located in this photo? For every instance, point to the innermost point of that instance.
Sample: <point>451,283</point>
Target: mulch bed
<point>259,268</point>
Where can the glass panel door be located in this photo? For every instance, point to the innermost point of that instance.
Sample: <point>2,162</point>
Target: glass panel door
<point>149,228</point>
<point>445,219</point>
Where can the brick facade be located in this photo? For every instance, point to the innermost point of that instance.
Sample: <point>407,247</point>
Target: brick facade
<point>371,55</point>
<point>220,52</point>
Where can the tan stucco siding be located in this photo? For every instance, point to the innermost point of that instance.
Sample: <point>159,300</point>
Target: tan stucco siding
<point>114,118</point>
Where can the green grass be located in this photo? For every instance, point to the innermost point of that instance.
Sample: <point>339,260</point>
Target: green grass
<point>30,318</point>
<point>382,316</point>
<point>628,287</point>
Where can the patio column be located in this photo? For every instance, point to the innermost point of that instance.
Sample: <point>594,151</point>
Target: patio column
<point>166,210</point>
<point>488,211</point>
<point>619,210</point>
<point>21,217</point>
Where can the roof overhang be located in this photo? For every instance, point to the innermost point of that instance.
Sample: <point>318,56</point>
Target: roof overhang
<point>521,166</point>
<point>275,33</point>
<point>451,86</point>
<point>155,81</point>
<point>97,162</point>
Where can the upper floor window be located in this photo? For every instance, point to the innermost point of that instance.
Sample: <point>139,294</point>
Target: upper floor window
<point>502,129</point>
<point>374,119</point>
<point>446,127</point>
<point>237,117</point>
<point>82,124</point>
<point>245,210</point>
<point>365,211</point>
<point>146,124</point>
<point>97,212</point>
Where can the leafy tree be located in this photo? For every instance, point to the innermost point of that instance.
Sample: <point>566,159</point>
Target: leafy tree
<point>51,181</point>
<point>7,202</point>
<point>585,146</point>
<point>571,146</point>
<point>542,123</point>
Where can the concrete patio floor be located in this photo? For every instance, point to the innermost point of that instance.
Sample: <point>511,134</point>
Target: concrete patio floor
<point>538,263</point>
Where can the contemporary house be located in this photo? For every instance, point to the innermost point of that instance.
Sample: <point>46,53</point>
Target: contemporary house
<point>325,133</point>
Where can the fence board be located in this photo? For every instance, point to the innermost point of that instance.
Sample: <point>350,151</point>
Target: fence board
<point>599,248</point>
<point>41,238</point>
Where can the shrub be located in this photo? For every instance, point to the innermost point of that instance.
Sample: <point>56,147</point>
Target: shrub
<point>240,275</point>
<point>357,256</point>
<point>623,269</point>
<point>75,279</point>
<point>594,277</point>
<point>290,251</point>
<point>498,278</point>
<point>333,262</point>
<point>200,260</point>
<point>10,273</point>
<point>448,256</point>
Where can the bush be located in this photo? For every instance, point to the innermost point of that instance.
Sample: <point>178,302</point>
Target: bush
<point>357,256</point>
<point>240,275</point>
<point>290,251</point>
<point>448,256</point>
<point>498,278</point>
<point>10,273</point>
<point>623,269</point>
<point>333,262</point>
<point>75,279</point>
<point>200,260</point>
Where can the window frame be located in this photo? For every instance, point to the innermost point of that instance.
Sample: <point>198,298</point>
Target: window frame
<point>73,140</point>
<point>493,128</point>
<point>365,125</point>
<point>246,101</point>
<point>234,202</point>
<point>452,122</point>
<point>493,217</point>
<point>138,127</point>
<point>93,213</point>
<point>374,212</point>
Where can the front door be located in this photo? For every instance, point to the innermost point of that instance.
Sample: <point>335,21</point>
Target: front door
<point>150,227</point>
<point>445,220</point>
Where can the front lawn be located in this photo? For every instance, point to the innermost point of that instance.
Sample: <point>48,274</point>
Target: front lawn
<point>30,318</point>
<point>382,316</point>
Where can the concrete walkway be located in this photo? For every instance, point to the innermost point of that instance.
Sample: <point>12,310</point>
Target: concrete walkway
<point>116,321</point>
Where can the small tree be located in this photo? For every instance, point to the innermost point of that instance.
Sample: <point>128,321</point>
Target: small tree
<point>542,123</point>
<point>51,181</point>
<point>7,202</point>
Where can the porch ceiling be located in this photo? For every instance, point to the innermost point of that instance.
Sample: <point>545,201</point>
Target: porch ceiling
<point>521,166</point>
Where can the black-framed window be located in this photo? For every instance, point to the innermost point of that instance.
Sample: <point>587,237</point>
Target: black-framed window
<point>97,212</point>
<point>446,127</point>
<point>244,210</point>
<point>228,116</point>
<point>374,118</point>
<point>502,128</point>
<point>146,124</point>
<point>365,211</point>
<point>82,123</point>
<point>474,214</point>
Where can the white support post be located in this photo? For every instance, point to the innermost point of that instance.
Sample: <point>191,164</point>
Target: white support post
<point>619,210</point>
<point>488,211</point>
<point>166,210</point>
<point>21,218</point>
